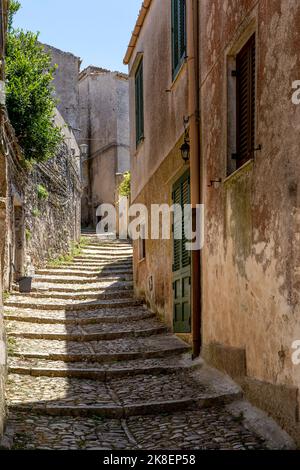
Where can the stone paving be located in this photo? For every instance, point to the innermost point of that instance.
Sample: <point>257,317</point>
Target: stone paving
<point>104,372</point>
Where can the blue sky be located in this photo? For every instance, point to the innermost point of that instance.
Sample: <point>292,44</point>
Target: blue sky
<point>98,31</point>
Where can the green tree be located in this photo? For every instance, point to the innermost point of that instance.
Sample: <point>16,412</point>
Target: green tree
<point>30,102</point>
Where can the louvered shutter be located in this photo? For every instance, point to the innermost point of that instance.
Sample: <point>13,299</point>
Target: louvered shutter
<point>246,71</point>
<point>139,103</point>
<point>181,260</point>
<point>181,196</point>
<point>178,33</point>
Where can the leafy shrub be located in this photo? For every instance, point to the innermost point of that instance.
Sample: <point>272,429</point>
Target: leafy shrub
<point>124,188</point>
<point>42,192</point>
<point>30,102</point>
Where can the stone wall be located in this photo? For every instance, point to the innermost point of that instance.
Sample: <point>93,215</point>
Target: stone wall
<point>104,107</point>
<point>51,224</point>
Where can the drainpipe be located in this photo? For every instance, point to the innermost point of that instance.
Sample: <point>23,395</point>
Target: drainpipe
<point>195,163</point>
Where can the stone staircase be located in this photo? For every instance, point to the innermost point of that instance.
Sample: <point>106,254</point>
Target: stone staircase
<point>82,347</point>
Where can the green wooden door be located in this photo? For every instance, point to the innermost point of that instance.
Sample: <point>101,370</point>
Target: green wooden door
<point>181,259</point>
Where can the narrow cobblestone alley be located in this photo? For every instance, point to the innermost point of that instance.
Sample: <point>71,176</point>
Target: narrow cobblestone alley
<point>91,368</point>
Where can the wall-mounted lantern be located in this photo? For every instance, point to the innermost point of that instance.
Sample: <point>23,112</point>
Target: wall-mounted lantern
<point>84,150</point>
<point>185,148</point>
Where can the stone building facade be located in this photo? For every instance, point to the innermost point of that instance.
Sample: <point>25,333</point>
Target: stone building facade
<point>249,183</point>
<point>104,124</point>
<point>66,85</point>
<point>156,162</point>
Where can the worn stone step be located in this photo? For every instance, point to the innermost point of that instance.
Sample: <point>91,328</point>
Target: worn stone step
<point>94,263</point>
<point>90,280</point>
<point>137,395</point>
<point>95,274</point>
<point>62,332</point>
<point>80,288</point>
<point>94,317</point>
<point>105,254</point>
<point>213,428</point>
<point>94,371</point>
<point>88,295</point>
<point>92,269</point>
<point>99,351</point>
<point>69,305</point>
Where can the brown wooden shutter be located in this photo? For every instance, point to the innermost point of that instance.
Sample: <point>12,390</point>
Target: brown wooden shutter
<point>246,72</point>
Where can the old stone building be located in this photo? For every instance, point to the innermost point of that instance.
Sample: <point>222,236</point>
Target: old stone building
<point>66,85</point>
<point>250,141</point>
<point>104,124</point>
<point>228,68</point>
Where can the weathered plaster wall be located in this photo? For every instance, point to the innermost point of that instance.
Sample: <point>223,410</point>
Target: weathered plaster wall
<point>165,104</point>
<point>66,85</point>
<point>104,107</point>
<point>156,164</point>
<point>251,254</point>
<point>153,276</point>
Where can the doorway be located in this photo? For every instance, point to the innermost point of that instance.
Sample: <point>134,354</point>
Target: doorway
<point>181,195</point>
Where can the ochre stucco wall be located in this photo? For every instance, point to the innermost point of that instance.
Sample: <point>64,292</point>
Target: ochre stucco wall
<point>159,253</point>
<point>165,103</point>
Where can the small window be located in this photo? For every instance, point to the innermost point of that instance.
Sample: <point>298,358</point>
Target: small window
<point>178,34</point>
<point>245,94</point>
<point>142,243</point>
<point>139,103</point>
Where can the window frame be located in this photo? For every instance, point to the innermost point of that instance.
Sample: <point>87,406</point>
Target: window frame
<point>249,53</point>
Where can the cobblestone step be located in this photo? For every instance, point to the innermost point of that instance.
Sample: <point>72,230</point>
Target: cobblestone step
<point>99,351</point>
<point>92,263</point>
<point>93,269</point>
<point>96,274</point>
<point>120,397</point>
<point>105,294</point>
<point>45,368</point>
<point>84,333</point>
<point>81,318</point>
<point>68,305</point>
<point>213,429</point>
<point>79,288</point>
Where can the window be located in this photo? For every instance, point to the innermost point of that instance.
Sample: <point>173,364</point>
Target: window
<point>245,93</point>
<point>142,242</point>
<point>139,103</point>
<point>178,34</point>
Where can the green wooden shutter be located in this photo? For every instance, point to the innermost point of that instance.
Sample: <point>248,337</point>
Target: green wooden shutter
<point>181,260</point>
<point>178,34</point>
<point>181,196</point>
<point>139,103</point>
